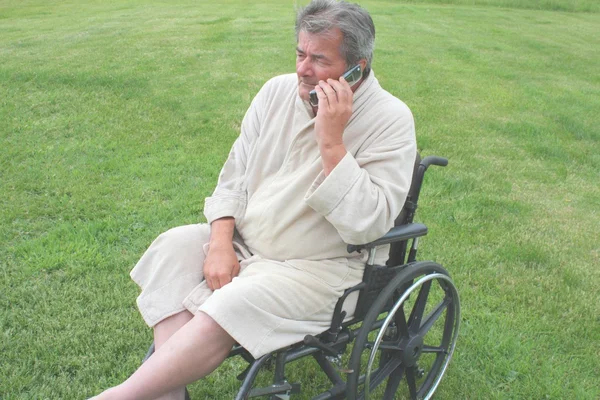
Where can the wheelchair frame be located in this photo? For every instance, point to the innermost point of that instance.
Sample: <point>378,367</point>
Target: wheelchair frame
<point>387,347</point>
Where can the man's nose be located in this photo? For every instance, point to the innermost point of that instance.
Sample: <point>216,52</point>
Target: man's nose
<point>304,67</point>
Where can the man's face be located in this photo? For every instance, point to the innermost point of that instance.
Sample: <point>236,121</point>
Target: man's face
<point>318,58</point>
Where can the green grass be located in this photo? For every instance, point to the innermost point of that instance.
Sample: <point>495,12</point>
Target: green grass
<point>115,118</point>
<point>553,5</point>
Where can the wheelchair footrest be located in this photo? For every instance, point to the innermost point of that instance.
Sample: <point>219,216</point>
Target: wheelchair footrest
<point>285,389</point>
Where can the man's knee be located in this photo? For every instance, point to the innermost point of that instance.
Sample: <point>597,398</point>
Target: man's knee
<point>209,328</point>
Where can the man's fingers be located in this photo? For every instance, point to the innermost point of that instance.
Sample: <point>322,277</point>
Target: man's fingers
<point>209,284</point>
<point>342,89</point>
<point>329,91</point>
<point>338,86</point>
<point>221,282</point>
<point>224,280</point>
<point>344,83</point>
<point>220,267</point>
<point>212,280</point>
<point>321,95</point>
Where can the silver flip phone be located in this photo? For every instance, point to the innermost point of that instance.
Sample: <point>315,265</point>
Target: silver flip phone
<point>352,76</point>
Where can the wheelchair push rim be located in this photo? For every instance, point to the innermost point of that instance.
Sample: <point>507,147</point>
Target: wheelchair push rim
<point>403,348</point>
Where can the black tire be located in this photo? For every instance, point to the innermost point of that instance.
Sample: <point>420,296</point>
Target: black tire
<point>391,349</point>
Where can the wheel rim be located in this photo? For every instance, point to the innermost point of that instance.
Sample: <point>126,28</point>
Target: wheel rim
<point>408,367</point>
<point>398,366</point>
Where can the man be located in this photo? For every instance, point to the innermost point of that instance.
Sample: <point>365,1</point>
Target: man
<point>299,184</point>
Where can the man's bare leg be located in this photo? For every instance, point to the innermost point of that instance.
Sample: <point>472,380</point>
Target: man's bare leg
<point>162,332</point>
<point>168,326</point>
<point>193,352</point>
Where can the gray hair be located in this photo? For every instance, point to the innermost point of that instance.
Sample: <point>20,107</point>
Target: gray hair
<point>355,23</point>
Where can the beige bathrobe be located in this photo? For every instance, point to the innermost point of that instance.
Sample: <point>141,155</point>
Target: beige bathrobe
<point>293,223</point>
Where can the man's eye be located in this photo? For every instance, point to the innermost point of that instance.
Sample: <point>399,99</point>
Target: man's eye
<point>300,56</point>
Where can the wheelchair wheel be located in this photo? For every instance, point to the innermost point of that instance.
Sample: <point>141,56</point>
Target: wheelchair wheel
<point>393,347</point>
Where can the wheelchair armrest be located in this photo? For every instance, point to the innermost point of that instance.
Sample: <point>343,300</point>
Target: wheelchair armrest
<point>434,160</point>
<point>396,234</point>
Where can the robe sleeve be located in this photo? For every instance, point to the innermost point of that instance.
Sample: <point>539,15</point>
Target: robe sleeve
<point>364,193</point>
<point>230,196</point>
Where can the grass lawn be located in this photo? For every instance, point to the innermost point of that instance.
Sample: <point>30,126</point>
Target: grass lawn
<point>116,116</point>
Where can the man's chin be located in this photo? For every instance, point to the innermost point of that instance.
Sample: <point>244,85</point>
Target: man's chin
<point>303,91</point>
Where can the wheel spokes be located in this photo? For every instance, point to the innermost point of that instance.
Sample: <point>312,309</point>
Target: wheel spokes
<point>383,372</point>
<point>391,345</point>
<point>393,383</point>
<point>411,380</point>
<point>400,320</point>
<point>434,316</point>
<point>419,308</point>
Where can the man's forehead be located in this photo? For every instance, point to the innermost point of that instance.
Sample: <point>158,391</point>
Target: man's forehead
<point>325,43</point>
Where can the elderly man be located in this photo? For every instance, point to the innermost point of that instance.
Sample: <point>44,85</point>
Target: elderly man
<point>300,182</point>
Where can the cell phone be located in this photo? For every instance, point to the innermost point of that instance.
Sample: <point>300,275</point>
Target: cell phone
<point>352,76</point>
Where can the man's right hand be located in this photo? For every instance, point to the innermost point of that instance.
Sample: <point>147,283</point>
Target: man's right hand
<point>220,266</point>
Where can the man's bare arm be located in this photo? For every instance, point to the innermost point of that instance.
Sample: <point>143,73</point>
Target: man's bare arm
<point>221,264</point>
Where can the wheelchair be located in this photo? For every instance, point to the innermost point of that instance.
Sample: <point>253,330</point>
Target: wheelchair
<point>400,340</point>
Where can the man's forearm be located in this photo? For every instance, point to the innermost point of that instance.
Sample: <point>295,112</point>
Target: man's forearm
<point>332,117</point>
<point>221,232</point>
<point>331,156</point>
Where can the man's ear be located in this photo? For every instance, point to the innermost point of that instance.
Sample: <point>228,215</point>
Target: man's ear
<point>363,64</point>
